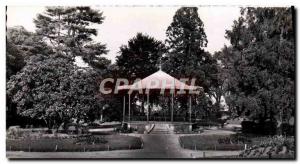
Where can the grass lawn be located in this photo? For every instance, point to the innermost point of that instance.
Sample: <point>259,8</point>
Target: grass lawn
<point>209,142</point>
<point>100,143</point>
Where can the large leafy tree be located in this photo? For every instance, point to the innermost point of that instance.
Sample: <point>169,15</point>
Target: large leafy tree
<point>54,90</point>
<point>140,57</point>
<point>50,86</point>
<point>261,64</point>
<point>20,46</point>
<point>70,29</point>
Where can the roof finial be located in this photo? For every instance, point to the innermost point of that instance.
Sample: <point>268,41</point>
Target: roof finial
<point>160,64</point>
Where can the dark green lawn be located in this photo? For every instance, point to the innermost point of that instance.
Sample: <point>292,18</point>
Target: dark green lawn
<point>103,143</point>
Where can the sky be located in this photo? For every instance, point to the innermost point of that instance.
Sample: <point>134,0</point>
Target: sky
<point>122,23</point>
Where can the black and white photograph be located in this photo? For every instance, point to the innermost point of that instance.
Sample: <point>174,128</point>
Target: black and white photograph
<point>149,82</point>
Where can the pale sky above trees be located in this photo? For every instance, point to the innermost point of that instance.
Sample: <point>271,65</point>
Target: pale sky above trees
<point>122,23</point>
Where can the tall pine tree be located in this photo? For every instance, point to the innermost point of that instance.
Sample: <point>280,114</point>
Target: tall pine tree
<point>186,58</point>
<point>185,42</point>
<point>70,29</point>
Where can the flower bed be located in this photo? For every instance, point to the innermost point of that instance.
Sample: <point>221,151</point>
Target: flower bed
<point>271,147</point>
<point>95,143</point>
<point>210,142</point>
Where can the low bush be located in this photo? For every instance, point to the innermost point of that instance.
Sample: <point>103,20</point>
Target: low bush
<point>182,129</point>
<point>207,123</point>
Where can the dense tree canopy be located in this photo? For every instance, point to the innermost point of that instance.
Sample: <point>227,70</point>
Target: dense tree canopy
<point>53,89</point>
<point>28,43</point>
<point>261,64</point>
<point>14,59</point>
<point>140,57</point>
<point>21,44</point>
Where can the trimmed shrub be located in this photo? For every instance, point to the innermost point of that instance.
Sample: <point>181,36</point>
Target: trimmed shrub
<point>207,123</point>
<point>183,129</point>
<point>249,127</point>
<point>125,129</point>
<point>262,128</point>
<point>268,128</point>
<point>194,126</point>
<point>287,129</point>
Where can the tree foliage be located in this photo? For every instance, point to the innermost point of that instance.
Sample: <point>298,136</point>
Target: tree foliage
<point>28,43</point>
<point>14,59</point>
<point>20,45</point>
<point>185,41</point>
<point>141,57</point>
<point>260,64</point>
<point>51,86</point>
<point>186,32</point>
<point>70,29</point>
<point>53,89</point>
<point>186,58</point>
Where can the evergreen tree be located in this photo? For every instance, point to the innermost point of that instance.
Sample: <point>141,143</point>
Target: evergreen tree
<point>186,58</point>
<point>70,29</point>
<point>185,41</point>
